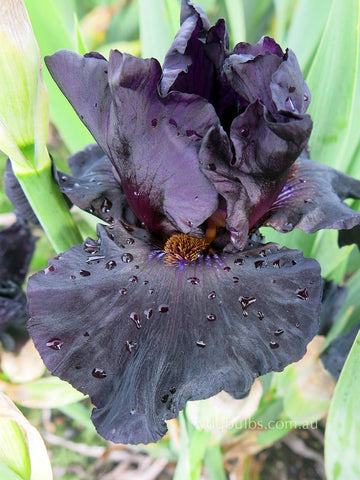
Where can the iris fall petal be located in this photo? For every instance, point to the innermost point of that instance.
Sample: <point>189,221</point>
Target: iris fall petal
<point>312,199</point>
<point>142,337</point>
<point>92,185</point>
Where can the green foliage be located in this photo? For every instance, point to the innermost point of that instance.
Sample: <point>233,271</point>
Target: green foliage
<point>342,437</point>
<point>54,25</point>
<point>13,450</point>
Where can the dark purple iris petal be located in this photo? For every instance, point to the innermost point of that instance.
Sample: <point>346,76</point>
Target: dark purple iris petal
<point>186,67</point>
<point>16,249</point>
<point>333,298</point>
<point>290,92</point>
<point>261,71</point>
<point>312,199</point>
<point>264,45</point>
<point>84,82</point>
<point>194,61</point>
<point>265,147</point>
<point>251,76</point>
<point>250,180</point>
<point>266,138</point>
<point>152,142</point>
<point>142,337</point>
<point>17,197</point>
<point>12,306</point>
<point>335,355</point>
<point>349,237</point>
<point>215,159</point>
<point>92,186</point>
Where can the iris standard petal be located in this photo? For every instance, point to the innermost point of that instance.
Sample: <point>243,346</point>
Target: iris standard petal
<point>263,46</point>
<point>83,80</point>
<point>92,185</point>
<point>250,172</point>
<point>250,75</point>
<point>186,67</point>
<point>154,144</point>
<point>143,337</point>
<point>194,61</point>
<point>289,90</point>
<point>312,199</point>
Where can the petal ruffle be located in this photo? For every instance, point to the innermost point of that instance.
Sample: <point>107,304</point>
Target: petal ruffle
<point>250,179</point>
<point>312,199</point>
<point>92,186</point>
<point>180,71</point>
<point>142,337</point>
<point>152,142</point>
<point>155,144</point>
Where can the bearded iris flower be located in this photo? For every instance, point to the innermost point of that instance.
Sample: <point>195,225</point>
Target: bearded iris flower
<point>178,298</point>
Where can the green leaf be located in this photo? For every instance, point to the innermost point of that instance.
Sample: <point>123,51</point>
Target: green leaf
<point>13,450</point>
<point>48,392</point>
<point>236,20</point>
<point>332,82</point>
<point>214,463</point>
<point>78,412</point>
<point>192,450</point>
<point>50,207</point>
<point>157,27</point>
<point>258,16</point>
<point>7,473</point>
<point>306,28</point>
<point>55,28</point>
<point>342,436</point>
<point>22,449</point>
<point>275,431</point>
<point>283,10</point>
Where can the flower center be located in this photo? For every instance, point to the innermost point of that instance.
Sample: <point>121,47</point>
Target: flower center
<point>181,249</point>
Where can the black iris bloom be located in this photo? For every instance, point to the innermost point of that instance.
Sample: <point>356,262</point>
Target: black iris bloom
<point>178,298</point>
<point>16,249</point>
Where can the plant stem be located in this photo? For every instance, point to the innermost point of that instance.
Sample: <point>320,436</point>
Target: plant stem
<point>50,207</point>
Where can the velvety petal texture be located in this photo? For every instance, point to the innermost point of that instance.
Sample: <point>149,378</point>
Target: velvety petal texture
<point>313,199</point>
<point>152,142</point>
<point>16,248</point>
<point>186,67</point>
<point>333,298</point>
<point>17,197</point>
<point>349,237</point>
<point>142,337</point>
<point>336,354</point>
<point>92,185</point>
